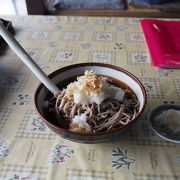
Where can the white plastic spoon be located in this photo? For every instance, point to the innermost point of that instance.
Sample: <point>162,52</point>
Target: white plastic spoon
<point>23,55</point>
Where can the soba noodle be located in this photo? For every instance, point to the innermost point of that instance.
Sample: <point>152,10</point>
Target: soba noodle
<point>96,117</point>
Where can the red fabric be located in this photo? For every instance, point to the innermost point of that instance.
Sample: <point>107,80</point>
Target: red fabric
<point>163,40</point>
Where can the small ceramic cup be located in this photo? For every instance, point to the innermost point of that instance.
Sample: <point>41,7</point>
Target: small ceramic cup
<point>162,130</point>
<point>77,70</point>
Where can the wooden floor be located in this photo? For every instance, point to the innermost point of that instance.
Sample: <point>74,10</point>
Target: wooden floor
<point>129,12</point>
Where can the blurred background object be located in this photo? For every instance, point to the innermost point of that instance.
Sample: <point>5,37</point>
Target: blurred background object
<point>22,7</point>
<point>113,8</point>
<point>163,5</point>
<point>85,4</point>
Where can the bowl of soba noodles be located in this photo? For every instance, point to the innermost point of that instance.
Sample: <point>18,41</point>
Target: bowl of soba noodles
<point>96,103</point>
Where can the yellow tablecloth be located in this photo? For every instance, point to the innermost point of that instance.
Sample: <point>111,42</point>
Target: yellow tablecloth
<point>30,151</point>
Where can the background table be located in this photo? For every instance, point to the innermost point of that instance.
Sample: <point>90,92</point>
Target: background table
<point>30,151</point>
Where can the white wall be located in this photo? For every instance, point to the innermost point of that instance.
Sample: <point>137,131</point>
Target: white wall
<point>7,7</point>
<point>21,7</point>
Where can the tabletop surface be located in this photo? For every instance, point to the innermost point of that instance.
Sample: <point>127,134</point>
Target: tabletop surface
<point>30,151</point>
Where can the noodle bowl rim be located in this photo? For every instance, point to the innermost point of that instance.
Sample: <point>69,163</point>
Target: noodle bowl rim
<point>63,69</point>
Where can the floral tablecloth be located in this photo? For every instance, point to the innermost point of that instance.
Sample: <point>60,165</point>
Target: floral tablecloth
<point>30,151</point>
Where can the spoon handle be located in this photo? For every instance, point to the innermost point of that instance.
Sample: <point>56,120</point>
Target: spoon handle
<point>23,55</point>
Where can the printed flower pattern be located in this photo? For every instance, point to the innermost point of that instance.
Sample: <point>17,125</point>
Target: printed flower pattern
<point>120,28</point>
<point>44,67</point>
<point>4,151</point>
<point>59,154</point>
<point>9,82</point>
<point>52,44</point>
<point>64,56</point>
<point>41,35</point>
<point>23,99</point>
<point>164,72</point>
<point>33,52</point>
<point>85,45</point>
<point>22,172</point>
<point>49,19</point>
<point>119,46</point>
<point>38,124</point>
<point>104,36</point>
<point>104,57</point>
<point>122,158</point>
<point>76,20</point>
<point>33,126</point>
<point>153,87</point>
<point>12,81</point>
<point>17,177</point>
<point>140,58</point>
<point>136,37</point>
<point>133,20</point>
<point>150,87</point>
<point>72,36</point>
<point>105,20</point>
